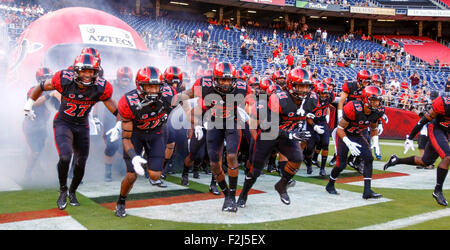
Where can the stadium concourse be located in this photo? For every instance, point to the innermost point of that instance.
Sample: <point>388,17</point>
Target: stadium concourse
<point>411,65</point>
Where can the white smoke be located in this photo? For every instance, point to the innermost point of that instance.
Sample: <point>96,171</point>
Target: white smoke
<point>14,151</point>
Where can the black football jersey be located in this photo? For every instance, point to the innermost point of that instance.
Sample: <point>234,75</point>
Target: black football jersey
<point>290,114</point>
<point>354,114</point>
<point>147,117</point>
<point>76,103</point>
<point>353,91</point>
<point>211,100</point>
<point>441,106</point>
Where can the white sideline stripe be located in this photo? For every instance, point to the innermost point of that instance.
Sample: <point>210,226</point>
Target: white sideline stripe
<point>57,223</point>
<point>408,221</point>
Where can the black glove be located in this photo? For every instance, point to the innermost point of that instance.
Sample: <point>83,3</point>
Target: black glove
<point>296,134</point>
<point>303,135</point>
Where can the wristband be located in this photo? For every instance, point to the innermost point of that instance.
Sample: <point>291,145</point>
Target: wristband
<point>131,153</point>
<point>42,85</point>
<point>116,112</point>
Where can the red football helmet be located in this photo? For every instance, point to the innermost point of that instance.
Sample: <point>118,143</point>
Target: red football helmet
<point>329,81</point>
<point>253,80</point>
<point>370,94</point>
<point>43,74</point>
<point>363,77</point>
<point>322,90</point>
<point>377,78</point>
<point>254,83</point>
<point>86,62</point>
<point>92,51</point>
<point>173,75</point>
<point>152,76</point>
<point>296,78</point>
<point>279,77</point>
<point>224,71</point>
<point>124,76</point>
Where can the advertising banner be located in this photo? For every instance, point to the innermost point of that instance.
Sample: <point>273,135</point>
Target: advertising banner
<point>372,11</point>
<point>423,12</point>
<point>270,2</point>
<point>319,6</point>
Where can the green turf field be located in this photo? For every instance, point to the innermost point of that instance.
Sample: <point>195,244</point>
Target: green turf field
<point>404,203</point>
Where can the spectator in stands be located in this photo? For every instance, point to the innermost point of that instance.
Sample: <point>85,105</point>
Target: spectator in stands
<point>290,60</point>
<point>415,79</point>
<point>324,36</point>
<point>247,68</point>
<point>394,82</point>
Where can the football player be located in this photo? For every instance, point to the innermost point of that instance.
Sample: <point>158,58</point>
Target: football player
<point>36,130</point>
<point>80,88</point>
<point>287,111</point>
<point>438,120</point>
<point>144,112</point>
<point>357,117</point>
<point>122,84</point>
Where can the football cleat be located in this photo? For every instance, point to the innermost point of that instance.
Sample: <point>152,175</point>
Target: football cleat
<point>213,189</point>
<point>322,172</point>
<point>309,169</point>
<point>242,200</point>
<point>281,189</point>
<point>439,196</point>
<point>62,200</point>
<point>196,174</point>
<point>332,161</point>
<point>158,183</point>
<point>229,205</point>
<point>120,210</point>
<point>371,195</point>
<point>73,200</point>
<point>184,180</point>
<point>392,161</point>
<point>315,163</point>
<point>331,189</point>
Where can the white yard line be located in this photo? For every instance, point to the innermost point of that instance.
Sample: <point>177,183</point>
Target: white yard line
<point>412,220</point>
<point>56,223</point>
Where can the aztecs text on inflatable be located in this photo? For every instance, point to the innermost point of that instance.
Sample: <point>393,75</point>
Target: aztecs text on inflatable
<point>56,38</point>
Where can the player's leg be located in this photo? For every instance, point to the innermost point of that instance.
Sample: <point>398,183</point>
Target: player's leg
<point>261,151</point>
<point>291,149</point>
<point>233,138</point>
<point>341,163</point>
<point>64,141</point>
<point>131,176</point>
<point>81,142</point>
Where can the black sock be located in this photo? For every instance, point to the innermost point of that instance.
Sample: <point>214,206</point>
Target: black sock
<point>407,160</point>
<point>78,174</point>
<point>324,161</point>
<point>121,199</point>
<point>367,184</point>
<point>223,185</point>
<point>233,185</point>
<point>185,170</point>
<point>315,156</point>
<point>441,174</point>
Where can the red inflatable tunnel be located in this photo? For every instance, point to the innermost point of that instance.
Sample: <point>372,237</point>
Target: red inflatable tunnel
<point>56,38</point>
